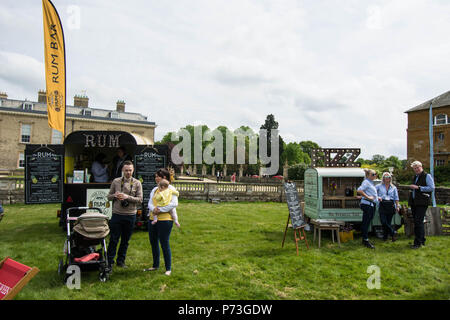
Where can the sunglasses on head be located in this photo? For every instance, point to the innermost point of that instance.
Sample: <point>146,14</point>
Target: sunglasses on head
<point>373,174</point>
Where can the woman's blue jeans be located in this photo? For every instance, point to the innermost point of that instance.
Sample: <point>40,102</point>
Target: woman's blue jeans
<point>160,233</point>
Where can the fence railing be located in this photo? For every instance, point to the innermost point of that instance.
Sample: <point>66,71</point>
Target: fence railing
<point>11,183</point>
<point>12,191</point>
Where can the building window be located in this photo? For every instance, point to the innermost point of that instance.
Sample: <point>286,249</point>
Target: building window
<point>114,115</point>
<point>439,137</point>
<point>21,163</point>
<point>25,133</point>
<point>27,106</point>
<point>440,119</point>
<point>440,162</point>
<point>56,136</point>
<point>85,112</point>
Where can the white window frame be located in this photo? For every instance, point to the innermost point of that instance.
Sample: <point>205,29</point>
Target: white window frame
<point>22,135</point>
<point>436,119</point>
<point>21,158</point>
<point>27,106</point>
<point>114,115</point>
<point>56,137</point>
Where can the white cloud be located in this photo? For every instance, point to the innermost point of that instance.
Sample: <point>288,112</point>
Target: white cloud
<point>340,73</point>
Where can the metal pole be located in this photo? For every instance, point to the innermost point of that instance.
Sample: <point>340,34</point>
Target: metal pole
<point>431,150</point>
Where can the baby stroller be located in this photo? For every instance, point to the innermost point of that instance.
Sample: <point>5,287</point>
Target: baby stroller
<point>80,248</point>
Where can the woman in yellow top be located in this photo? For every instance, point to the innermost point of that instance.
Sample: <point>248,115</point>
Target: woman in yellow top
<point>163,197</point>
<point>160,232</point>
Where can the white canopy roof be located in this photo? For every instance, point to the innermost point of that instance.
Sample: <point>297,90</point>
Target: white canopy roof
<point>339,172</point>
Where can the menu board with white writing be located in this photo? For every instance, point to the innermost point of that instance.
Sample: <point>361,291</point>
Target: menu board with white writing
<point>44,174</point>
<point>293,202</point>
<point>147,163</point>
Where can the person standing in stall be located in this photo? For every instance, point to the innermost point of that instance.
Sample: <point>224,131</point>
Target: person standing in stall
<point>118,162</point>
<point>99,169</point>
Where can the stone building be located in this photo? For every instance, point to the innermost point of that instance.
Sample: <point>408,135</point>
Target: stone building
<point>23,122</point>
<point>418,142</point>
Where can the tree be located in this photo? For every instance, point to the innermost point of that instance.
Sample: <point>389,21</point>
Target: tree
<point>378,159</point>
<point>308,145</point>
<point>294,154</point>
<point>269,125</point>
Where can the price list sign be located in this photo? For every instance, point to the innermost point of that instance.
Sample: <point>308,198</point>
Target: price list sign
<point>43,177</point>
<point>293,203</point>
<point>147,163</point>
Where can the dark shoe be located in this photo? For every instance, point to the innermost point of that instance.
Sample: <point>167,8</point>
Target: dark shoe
<point>415,246</point>
<point>394,237</point>
<point>122,265</point>
<point>150,269</point>
<point>368,244</point>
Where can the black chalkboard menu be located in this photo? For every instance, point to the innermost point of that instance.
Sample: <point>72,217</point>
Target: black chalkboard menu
<point>147,161</point>
<point>293,202</point>
<point>44,173</point>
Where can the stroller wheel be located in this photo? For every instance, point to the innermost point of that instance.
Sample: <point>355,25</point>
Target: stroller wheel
<point>61,267</point>
<point>104,276</point>
<point>62,271</point>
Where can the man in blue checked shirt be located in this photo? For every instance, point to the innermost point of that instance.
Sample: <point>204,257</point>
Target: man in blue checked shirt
<point>419,198</point>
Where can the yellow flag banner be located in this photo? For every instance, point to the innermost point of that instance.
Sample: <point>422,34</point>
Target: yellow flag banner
<point>55,67</point>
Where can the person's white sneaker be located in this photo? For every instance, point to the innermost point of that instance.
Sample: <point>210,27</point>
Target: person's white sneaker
<point>168,272</point>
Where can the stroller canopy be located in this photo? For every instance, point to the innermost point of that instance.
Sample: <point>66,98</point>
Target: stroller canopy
<point>92,225</point>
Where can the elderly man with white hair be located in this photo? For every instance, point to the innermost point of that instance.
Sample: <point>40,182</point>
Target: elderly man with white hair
<point>419,198</point>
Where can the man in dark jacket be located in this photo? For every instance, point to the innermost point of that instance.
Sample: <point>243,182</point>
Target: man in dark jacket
<point>118,161</point>
<point>419,198</point>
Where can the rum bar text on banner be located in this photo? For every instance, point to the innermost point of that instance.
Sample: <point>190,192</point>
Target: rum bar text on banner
<point>55,67</point>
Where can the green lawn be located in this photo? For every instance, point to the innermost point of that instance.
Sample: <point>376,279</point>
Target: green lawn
<point>231,251</point>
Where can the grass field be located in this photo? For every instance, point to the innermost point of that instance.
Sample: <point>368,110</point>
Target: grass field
<point>231,251</point>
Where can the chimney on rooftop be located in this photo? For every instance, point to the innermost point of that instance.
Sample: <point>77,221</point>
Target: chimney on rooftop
<point>120,106</point>
<point>80,101</point>
<point>3,95</point>
<point>42,96</point>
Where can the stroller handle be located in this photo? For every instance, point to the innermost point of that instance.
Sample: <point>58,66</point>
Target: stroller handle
<point>82,208</point>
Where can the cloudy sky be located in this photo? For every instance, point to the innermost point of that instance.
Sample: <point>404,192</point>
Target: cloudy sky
<point>338,72</point>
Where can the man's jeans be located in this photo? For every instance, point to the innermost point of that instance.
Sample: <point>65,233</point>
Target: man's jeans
<point>121,227</point>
